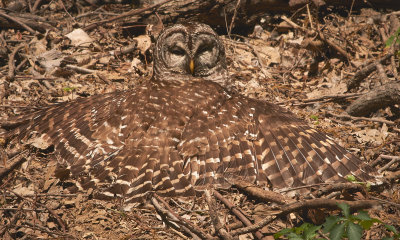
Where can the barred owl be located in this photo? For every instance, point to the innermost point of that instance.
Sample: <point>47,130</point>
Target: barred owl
<point>183,130</point>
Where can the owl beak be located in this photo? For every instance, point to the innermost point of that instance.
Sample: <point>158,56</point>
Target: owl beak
<point>191,66</point>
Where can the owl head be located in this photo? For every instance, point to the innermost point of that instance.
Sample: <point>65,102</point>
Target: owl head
<point>189,50</point>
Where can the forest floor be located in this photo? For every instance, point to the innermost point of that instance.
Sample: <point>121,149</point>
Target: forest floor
<point>312,64</point>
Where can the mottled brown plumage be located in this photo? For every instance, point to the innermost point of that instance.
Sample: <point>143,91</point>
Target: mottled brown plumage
<point>184,130</point>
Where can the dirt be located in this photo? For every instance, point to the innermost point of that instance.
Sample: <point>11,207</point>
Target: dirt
<point>292,67</point>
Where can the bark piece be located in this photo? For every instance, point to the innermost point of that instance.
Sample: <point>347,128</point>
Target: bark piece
<point>386,95</point>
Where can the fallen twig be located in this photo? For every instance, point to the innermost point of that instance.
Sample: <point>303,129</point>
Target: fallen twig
<point>43,229</point>
<point>219,228</point>
<point>11,64</point>
<point>173,217</point>
<point>394,159</point>
<point>340,187</point>
<point>365,72</point>
<point>13,220</point>
<point>51,211</point>
<point>14,163</point>
<point>321,36</point>
<point>189,226</point>
<point>267,196</point>
<point>343,116</point>
<point>124,15</point>
<point>300,206</point>
<point>237,213</point>
<point>26,27</point>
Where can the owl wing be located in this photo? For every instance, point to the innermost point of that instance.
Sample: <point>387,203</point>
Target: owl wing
<point>263,142</point>
<point>69,126</point>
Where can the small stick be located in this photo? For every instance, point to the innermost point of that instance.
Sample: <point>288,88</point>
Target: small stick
<point>365,72</point>
<point>325,203</point>
<point>235,210</point>
<point>321,36</point>
<point>124,15</point>
<point>233,18</point>
<point>11,65</point>
<point>174,218</point>
<point>339,187</point>
<point>182,221</point>
<point>43,229</point>
<point>219,228</point>
<point>267,196</point>
<point>36,5</point>
<point>336,96</point>
<point>80,69</point>
<point>26,27</point>
<point>345,116</point>
<point>299,206</point>
<point>14,219</point>
<point>15,162</point>
<point>381,73</point>
<point>60,222</point>
<point>393,161</point>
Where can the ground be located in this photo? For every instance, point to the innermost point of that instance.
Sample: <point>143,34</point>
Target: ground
<point>295,63</point>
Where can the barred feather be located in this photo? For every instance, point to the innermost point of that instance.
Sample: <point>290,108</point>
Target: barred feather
<point>178,134</point>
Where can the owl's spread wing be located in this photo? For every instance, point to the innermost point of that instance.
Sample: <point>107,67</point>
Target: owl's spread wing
<point>176,140</point>
<point>265,143</point>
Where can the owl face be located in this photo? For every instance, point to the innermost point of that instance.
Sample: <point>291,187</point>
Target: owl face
<point>191,49</point>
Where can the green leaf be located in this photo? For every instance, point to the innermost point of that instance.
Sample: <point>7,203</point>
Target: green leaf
<point>310,233</point>
<point>351,178</point>
<point>329,223</point>
<point>388,238</point>
<point>345,209</point>
<point>368,186</point>
<point>354,231</point>
<point>69,89</point>
<point>282,232</point>
<point>362,215</point>
<point>294,236</point>
<point>304,226</point>
<point>314,117</point>
<point>366,225</point>
<point>337,232</point>
<point>391,228</point>
<point>389,41</point>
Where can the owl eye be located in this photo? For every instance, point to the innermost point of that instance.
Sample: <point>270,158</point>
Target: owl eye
<point>177,51</point>
<point>204,48</point>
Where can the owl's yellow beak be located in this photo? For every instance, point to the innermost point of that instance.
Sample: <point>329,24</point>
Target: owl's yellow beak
<point>191,66</point>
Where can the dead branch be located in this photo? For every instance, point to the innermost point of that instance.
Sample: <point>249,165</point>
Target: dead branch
<point>166,213</point>
<point>219,228</point>
<point>22,24</point>
<point>348,117</point>
<point>13,220</point>
<point>51,211</point>
<point>11,64</point>
<point>381,97</point>
<point>340,187</point>
<point>43,229</point>
<point>325,203</point>
<point>365,72</point>
<point>15,162</point>
<point>321,36</point>
<point>394,159</point>
<point>238,213</point>
<point>176,218</point>
<point>127,14</point>
<point>267,196</point>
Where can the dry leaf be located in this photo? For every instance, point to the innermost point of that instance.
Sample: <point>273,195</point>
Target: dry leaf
<point>79,38</point>
<point>143,43</point>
